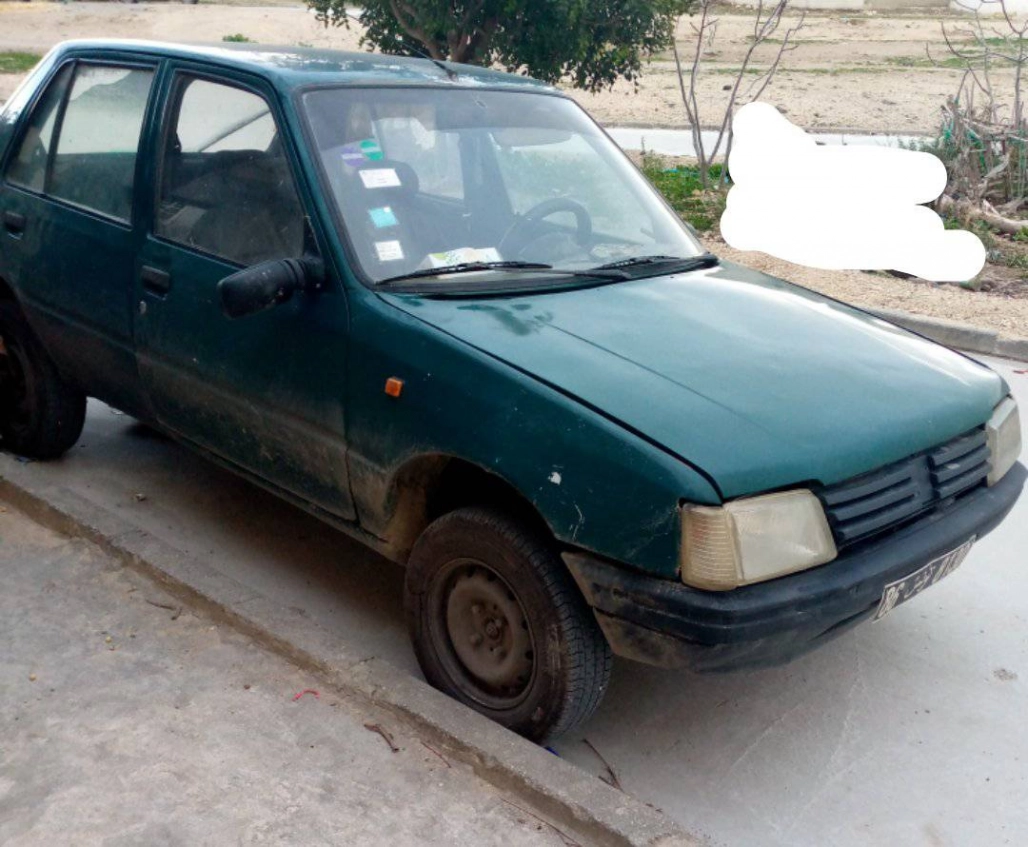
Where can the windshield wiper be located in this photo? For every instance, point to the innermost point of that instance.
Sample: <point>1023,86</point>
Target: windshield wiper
<point>618,271</point>
<point>465,268</point>
<point>513,266</point>
<point>685,263</point>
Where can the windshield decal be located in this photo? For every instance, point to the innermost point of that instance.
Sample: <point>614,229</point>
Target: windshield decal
<point>380,178</point>
<point>462,255</point>
<point>389,251</point>
<point>362,151</point>
<point>383,217</point>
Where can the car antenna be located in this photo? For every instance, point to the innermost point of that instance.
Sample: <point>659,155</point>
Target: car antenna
<point>450,72</point>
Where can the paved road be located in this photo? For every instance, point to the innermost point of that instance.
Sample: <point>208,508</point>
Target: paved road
<point>125,723</point>
<point>908,731</point>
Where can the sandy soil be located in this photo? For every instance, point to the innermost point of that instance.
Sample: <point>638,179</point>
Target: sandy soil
<point>849,71</point>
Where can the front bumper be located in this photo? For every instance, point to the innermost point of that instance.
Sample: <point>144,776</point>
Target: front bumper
<point>665,623</point>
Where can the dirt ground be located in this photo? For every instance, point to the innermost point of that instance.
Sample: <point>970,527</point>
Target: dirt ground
<point>849,71</point>
<point>867,72</point>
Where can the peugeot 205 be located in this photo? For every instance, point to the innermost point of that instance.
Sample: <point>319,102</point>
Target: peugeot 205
<point>436,306</point>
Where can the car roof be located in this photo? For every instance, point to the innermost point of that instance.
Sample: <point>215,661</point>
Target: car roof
<point>292,67</point>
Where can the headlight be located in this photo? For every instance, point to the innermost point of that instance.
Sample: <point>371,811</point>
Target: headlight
<point>754,539</point>
<point>1003,432</point>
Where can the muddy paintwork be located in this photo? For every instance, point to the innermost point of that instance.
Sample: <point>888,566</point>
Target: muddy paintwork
<point>605,408</point>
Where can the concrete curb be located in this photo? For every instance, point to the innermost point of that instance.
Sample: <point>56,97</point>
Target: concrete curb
<point>575,801</point>
<point>963,336</point>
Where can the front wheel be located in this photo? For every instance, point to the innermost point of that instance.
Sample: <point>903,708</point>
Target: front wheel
<point>498,623</point>
<point>41,416</point>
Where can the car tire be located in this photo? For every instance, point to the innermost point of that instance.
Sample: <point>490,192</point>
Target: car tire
<point>41,415</point>
<point>498,623</point>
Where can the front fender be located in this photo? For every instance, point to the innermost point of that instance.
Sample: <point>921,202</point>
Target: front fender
<point>598,486</point>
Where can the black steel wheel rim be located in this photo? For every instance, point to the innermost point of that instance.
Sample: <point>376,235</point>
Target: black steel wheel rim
<point>484,638</point>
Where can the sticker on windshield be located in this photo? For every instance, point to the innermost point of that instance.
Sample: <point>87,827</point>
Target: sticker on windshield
<point>362,151</point>
<point>463,254</point>
<point>383,217</point>
<point>389,251</point>
<point>380,178</point>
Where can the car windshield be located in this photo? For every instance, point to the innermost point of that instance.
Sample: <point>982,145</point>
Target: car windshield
<point>482,181</point>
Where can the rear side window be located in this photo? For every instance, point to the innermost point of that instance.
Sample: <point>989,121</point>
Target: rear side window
<point>226,186</point>
<point>28,167</point>
<point>83,137</point>
<point>95,161</point>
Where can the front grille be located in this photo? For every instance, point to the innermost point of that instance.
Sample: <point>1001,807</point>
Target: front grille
<point>884,499</point>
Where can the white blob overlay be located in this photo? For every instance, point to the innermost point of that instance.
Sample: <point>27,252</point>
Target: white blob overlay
<point>839,208</point>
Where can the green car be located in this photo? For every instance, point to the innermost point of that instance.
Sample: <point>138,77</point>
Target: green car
<point>437,307</point>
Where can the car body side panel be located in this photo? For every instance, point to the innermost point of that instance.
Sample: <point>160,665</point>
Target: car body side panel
<point>597,486</point>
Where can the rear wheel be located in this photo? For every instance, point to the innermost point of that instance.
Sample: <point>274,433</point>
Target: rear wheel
<point>498,623</point>
<point>41,416</point>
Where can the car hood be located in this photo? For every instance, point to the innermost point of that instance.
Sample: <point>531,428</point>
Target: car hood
<point>757,382</point>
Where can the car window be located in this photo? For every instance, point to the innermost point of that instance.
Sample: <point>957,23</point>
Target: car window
<point>226,187</point>
<point>426,178</point>
<point>28,167</point>
<point>98,137</point>
<point>215,117</point>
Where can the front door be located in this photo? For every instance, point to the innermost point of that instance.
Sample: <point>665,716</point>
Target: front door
<point>264,392</point>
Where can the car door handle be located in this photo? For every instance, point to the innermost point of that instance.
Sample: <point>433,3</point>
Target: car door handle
<point>14,222</point>
<point>155,280</point>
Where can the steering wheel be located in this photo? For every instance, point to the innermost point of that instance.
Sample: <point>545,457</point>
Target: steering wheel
<point>526,229</point>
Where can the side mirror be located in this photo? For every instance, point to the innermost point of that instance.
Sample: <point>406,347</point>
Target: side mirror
<point>262,286</point>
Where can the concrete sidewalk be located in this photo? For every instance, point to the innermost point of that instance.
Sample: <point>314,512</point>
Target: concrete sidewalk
<point>127,720</point>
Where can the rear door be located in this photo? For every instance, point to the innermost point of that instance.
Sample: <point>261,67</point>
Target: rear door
<point>70,229</point>
<point>265,392</point>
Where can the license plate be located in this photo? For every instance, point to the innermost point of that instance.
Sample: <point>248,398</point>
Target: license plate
<point>903,589</point>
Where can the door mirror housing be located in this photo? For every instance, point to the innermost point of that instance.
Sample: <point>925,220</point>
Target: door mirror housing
<point>262,286</point>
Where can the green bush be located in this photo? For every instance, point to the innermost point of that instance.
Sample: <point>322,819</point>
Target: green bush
<point>238,38</point>
<point>682,188</point>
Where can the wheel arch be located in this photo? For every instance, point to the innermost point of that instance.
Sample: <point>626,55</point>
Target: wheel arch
<point>429,486</point>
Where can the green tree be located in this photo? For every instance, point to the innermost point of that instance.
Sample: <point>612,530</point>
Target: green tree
<point>591,42</point>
